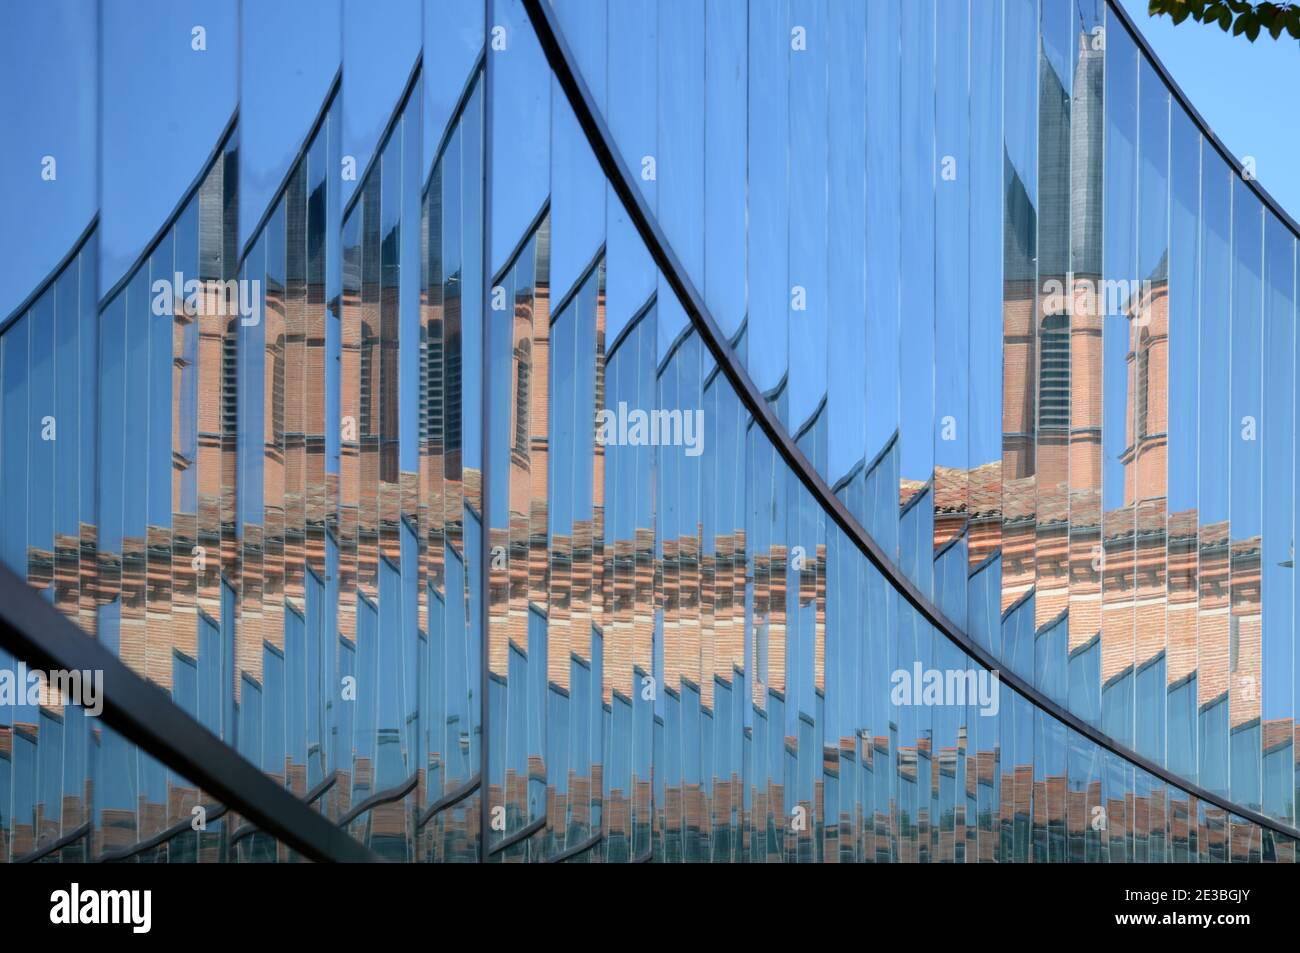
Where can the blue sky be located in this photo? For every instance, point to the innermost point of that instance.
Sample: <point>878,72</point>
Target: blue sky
<point>1246,92</point>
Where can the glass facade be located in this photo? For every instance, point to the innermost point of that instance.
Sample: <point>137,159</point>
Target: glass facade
<point>745,431</point>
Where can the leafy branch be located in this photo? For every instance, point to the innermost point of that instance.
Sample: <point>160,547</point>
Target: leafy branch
<point>1238,15</point>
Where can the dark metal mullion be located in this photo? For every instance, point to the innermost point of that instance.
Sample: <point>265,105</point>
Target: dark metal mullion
<point>33,630</point>
<point>620,179</point>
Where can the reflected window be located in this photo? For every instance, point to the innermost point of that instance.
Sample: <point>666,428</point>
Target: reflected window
<point>523,364</point>
<point>1054,373</point>
<point>1143,385</point>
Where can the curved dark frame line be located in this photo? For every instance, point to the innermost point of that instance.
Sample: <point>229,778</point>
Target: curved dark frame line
<point>304,147</point>
<point>590,843</point>
<point>394,117</point>
<point>311,797</point>
<point>518,837</point>
<point>44,285</point>
<point>561,60</point>
<point>379,798</point>
<point>71,837</point>
<point>214,812</point>
<point>386,796</point>
<point>447,800</point>
<point>230,129</point>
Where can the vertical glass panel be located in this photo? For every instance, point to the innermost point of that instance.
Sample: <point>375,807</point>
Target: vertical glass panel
<point>577,203</point>
<point>1052,332</point>
<point>1295,534</point>
<point>916,243</point>
<point>1277,705</point>
<point>1184,376</point>
<point>984,362</point>
<point>769,198</point>
<point>1020,237</point>
<point>521,126</point>
<point>68,472</point>
<point>1212,488</point>
<point>1118,476</point>
<point>17,437</point>
<point>42,435</point>
<point>679,160</point>
<point>453,41</point>
<point>1243,636</point>
<point>381,47</point>
<point>952,320</point>
<point>726,80</point>
<point>884,226</point>
<point>1086,363</point>
<point>134,633</point>
<point>633,122</point>
<point>1149,345</point>
<point>150,57</point>
<point>289,55</point>
<point>846,241</point>
<point>809,198</point>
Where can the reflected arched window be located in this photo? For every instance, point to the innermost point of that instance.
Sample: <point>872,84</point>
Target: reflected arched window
<point>523,359</point>
<point>1143,396</point>
<point>369,422</point>
<point>230,378</point>
<point>1054,373</point>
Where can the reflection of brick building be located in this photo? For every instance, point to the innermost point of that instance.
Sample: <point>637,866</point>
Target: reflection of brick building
<point>1049,492</point>
<point>1082,522</point>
